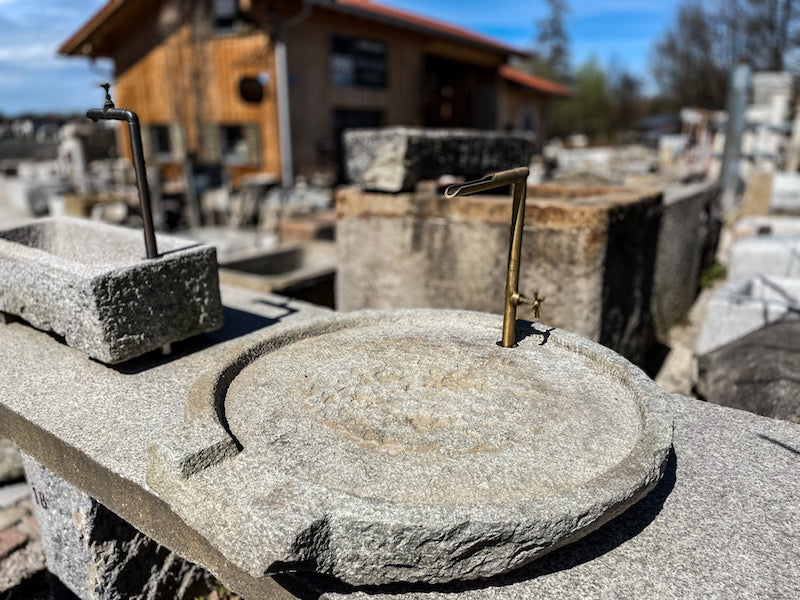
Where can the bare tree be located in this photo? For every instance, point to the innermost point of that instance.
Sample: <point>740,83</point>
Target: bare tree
<point>552,40</point>
<point>693,61</point>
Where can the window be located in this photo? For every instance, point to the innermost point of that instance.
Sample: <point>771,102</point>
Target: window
<point>225,14</point>
<point>239,144</point>
<point>161,146</point>
<point>357,62</point>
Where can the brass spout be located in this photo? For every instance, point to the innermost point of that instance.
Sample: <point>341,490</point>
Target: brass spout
<point>519,179</point>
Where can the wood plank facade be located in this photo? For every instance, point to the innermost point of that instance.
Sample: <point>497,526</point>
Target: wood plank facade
<point>213,91</point>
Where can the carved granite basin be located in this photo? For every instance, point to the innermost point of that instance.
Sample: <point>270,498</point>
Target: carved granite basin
<point>90,283</point>
<point>381,447</point>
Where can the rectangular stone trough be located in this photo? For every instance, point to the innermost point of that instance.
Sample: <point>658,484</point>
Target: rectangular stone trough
<point>91,284</point>
<point>773,255</point>
<point>305,271</point>
<point>591,251</point>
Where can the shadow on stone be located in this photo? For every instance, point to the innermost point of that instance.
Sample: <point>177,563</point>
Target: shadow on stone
<point>526,329</point>
<point>238,323</point>
<point>59,591</point>
<point>781,444</point>
<point>611,535</point>
<point>34,588</point>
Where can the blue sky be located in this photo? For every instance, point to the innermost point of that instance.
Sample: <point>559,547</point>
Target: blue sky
<point>33,77</point>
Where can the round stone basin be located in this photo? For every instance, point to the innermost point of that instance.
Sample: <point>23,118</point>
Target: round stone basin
<point>408,446</point>
<point>413,415</point>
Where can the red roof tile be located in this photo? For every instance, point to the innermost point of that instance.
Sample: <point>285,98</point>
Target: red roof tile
<point>362,8</point>
<point>405,18</point>
<point>535,83</point>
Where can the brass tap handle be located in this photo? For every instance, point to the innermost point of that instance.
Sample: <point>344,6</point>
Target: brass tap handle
<point>535,302</point>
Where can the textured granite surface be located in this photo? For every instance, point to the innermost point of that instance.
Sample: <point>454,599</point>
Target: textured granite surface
<point>385,446</point>
<point>723,522</point>
<point>89,283</point>
<point>393,159</point>
<point>756,372</point>
<point>97,555</point>
<point>91,423</point>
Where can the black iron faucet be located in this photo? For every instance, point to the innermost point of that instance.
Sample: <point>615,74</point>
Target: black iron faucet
<point>110,113</point>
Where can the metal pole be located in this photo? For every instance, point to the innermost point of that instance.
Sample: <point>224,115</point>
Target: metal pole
<point>110,113</point>
<point>514,253</point>
<point>519,179</point>
<point>284,121</point>
<point>141,183</point>
<point>737,103</point>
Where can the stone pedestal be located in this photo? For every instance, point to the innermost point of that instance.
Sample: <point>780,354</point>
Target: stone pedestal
<point>687,239</point>
<point>96,555</point>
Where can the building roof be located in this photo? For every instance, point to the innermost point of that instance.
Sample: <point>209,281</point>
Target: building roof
<point>91,38</point>
<point>534,83</point>
<point>88,39</point>
<point>409,20</point>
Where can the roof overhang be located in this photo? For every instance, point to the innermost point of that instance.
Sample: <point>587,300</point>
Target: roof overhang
<point>96,38</point>
<point>535,84</point>
<point>380,13</point>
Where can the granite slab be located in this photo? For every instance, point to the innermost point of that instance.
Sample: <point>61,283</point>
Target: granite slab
<point>408,446</point>
<point>724,520</point>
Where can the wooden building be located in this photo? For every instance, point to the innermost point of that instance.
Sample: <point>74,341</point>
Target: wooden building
<point>268,86</point>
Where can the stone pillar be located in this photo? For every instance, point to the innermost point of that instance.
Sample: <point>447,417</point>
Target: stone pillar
<point>96,555</point>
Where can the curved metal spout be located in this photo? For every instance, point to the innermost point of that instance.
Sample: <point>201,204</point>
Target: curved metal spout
<point>110,113</point>
<point>519,179</point>
<point>494,180</point>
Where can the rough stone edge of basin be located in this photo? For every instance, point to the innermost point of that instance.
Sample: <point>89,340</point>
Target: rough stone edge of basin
<point>87,318</point>
<point>204,441</point>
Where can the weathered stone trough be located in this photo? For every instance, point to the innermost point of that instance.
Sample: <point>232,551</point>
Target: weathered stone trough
<point>591,251</point>
<point>395,159</point>
<point>90,283</point>
<point>300,270</point>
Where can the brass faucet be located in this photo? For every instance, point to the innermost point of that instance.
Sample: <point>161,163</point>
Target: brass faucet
<point>519,179</point>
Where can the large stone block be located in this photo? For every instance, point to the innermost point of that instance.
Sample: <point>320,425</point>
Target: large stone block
<point>591,251</point>
<point>756,372</point>
<point>394,159</point>
<point>91,284</point>
<point>777,256</point>
<point>98,556</point>
<point>688,233</point>
<point>746,305</point>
